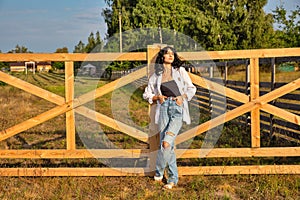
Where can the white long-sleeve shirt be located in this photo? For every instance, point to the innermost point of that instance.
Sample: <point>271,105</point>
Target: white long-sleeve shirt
<point>184,84</point>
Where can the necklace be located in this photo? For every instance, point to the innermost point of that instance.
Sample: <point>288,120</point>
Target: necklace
<point>167,75</point>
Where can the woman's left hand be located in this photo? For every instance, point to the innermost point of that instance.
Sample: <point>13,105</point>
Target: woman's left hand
<point>179,100</point>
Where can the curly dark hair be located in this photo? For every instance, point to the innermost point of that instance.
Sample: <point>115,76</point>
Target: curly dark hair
<point>159,68</point>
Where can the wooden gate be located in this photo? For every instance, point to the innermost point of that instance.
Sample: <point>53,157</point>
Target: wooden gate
<point>254,103</point>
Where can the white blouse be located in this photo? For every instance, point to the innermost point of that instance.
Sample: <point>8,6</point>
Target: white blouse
<point>184,84</point>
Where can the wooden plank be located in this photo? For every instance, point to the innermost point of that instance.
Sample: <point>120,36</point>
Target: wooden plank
<point>130,56</point>
<point>288,116</point>
<point>72,154</point>
<point>65,171</point>
<point>216,121</point>
<point>227,170</point>
<point>294,97</point>
<point>288,126</point>
<point>293,107</point>
<point>117,125</point>
<point>142,56</point>
<point>236,83</point>
<point>286,137</point>
<point>254,94</point>
<point>138,153</point>
<point>16,57</point>
<point>125,56</point>
<point>70,116</point>
<point>221,89</point>
<point>4,134</point>
<point>258,102</point>
<point>32,89</point>
<point>290,87</point>
<point>110,87</point>
<point>238,152</point>
<point>58,110</point>
<point>240,54</point>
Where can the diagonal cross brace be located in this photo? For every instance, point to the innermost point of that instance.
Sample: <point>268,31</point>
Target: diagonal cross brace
<point>261,103</point>
<point>68,106</point>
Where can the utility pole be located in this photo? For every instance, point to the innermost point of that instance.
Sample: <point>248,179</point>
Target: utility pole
<point>120,29</point>
<point>160,33</point>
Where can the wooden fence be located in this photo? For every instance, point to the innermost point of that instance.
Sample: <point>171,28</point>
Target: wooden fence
<point>272,126</point>
<point>253,103</point>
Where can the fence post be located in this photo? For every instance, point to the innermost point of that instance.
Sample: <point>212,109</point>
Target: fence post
<point>247,91</point>
<point>152,51</point>
<point>211,71</point>
<point>273,73</point>
<point>70,116</point>
<point>226,73</point>
<point>254,94</point>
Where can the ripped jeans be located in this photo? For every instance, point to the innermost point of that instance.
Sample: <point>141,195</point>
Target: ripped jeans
<point>170,122</point>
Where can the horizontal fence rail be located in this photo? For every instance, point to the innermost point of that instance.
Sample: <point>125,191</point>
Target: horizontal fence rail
<point>248,102</point>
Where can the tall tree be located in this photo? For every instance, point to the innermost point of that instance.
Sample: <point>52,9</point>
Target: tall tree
<point>116,9</point>
<point>62,50</point>
<point>215,25</point>
<point>19,49</point>
<point>95,44</point>
<point>79,48</point>
<point>238,24</point>
<point>60,65</point>
<point>150,21</point>
<point>288,33</point>
<point>91,43</point>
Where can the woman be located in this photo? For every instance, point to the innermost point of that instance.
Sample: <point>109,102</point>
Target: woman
<point>171,87</point>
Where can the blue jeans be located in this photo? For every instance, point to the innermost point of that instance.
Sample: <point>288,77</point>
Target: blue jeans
<point>170,122</point>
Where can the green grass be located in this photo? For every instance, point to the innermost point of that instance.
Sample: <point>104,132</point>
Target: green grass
<point>267,187</point>
<point>240,75</point>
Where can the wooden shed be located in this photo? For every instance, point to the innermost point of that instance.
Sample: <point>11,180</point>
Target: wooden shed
<point>43,66</point>
<point>17,67</point>
<point>30,66</point>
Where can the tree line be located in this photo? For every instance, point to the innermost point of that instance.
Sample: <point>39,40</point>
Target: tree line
<point>213,25</point>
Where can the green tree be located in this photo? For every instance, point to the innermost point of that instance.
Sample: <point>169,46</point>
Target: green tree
<point>79,48</point>
<point>153,21</point>
<point>60,65</point>
<point>62,50</point>
<point>95,44</point>
<point>215,25</point>
<point>98,43</point>
<point>239,24</point>
<point>19,49</point>
<point>114,10</point>
<point>288,33</point>
<point>91,43</point>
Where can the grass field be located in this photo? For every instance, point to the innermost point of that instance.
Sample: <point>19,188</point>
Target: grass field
<point>17,105</point>
<point>264,187</point>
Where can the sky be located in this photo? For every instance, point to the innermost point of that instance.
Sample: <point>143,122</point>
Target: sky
<point>46,25</point>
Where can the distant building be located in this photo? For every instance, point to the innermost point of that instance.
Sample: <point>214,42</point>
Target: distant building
<point>30,66</point>
<point>43,66</point>
<point>17,67</point>
<point>87,70</point>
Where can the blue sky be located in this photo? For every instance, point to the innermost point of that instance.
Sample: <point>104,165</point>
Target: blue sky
<point>45,25</point>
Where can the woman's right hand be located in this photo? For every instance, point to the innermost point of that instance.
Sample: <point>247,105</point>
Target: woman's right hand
<point>161,98</point>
